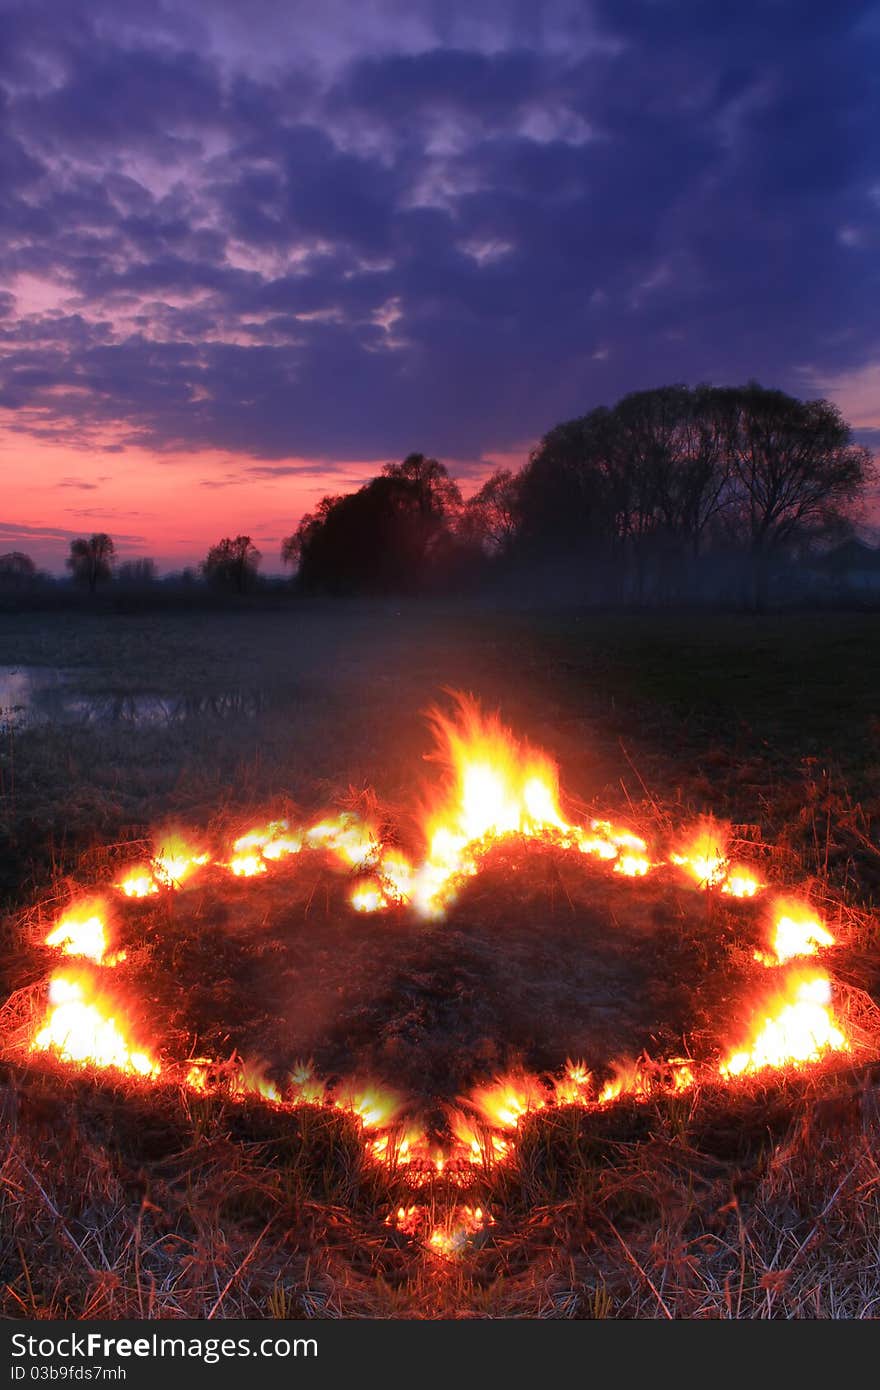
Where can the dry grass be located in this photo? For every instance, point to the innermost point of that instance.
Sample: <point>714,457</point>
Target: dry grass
<point>759,1200</point>
<point>119,1204</point>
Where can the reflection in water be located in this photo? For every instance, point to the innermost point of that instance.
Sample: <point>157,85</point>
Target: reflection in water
<point>47,695</point>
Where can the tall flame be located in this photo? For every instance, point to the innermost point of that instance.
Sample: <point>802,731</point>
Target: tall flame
<point>794,1027</point>
<point>498,785</point>
<point>83,1026</point>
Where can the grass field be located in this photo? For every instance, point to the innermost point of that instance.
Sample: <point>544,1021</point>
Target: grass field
<point>761,1199</point>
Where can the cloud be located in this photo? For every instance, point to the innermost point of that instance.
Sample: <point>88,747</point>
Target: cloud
<point>424,229</point>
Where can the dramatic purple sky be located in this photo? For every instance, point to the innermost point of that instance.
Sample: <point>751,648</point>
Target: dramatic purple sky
<point>249,251</point>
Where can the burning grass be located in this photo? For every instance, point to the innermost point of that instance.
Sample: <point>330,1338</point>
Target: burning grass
<point>437,1155</point>
<point>121,1201</point>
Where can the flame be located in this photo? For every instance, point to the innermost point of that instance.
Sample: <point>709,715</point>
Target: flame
<point>393,882</point>
<point>138,883</point>
<point>374,1106</point>
<point>407,1219</point>
<point>796,931</point>
<point>632,865</point>
<point>598,845</point>
<point>645,1077</point>
<point>740,882</point>
<point>794,1027</point>
<point>304,1086</point>
<point>83,1026</point>
<point>497,786</point>
<point>682,1074</point>
<point>396,873</point>
<point>474,1142</point>
<point>170,866</point>
<point>468,1135</point>
<point>269,842</point>
<point>197,1074</point>
<point>629,1079</point>
<point>612,842</point>
<point>575,1086</point>
<point>247,865</point>
<point>367,896</point>
<point>175,862</point>
<point>412,1146</point>
<point>349,838</point>
<point>704,857</point>
<point>83,932</point>
<point>463,1223</point>
<point>251,1080</point>
<point>504,1101</point>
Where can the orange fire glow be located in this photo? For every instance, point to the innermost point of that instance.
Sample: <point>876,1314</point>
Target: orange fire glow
<point>251,1080</point>
<point>374,1106</point>
<point>497,786</point>
<point>367,896</point>
<point>82,931</point>
<point>452,1238</point>
<point>794,1027</point>
<point>138,883</point>
<point>796,931</point>
<point>575,1086</point>
<point>304,1087</point>
<point>346,836</point>
<point>704,856</point>
<point>504,1101</point>
<point>171,865</point>
<point>740,882</point>
<point>175,862</point>
<point>265,844</point>
<point>84,1027</point>
<point>629,851</point>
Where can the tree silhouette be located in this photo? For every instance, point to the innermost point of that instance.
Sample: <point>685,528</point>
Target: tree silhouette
<point>671,492</point>
<point>138,574</point>
<point>795,467</point>
<point>388,537</point>
<point>91,561</point>
<point>232,563</point>
<point>293,547</point>
<point>491,517</point>
<point>634,491</point>
<point>16,569</point>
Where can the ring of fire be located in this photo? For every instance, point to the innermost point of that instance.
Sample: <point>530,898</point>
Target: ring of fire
<point>497,790</point>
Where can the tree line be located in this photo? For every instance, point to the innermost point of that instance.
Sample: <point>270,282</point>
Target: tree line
<point>638,502</point>
<point>670,494</point>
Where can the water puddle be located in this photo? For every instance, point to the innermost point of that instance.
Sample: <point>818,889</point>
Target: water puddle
<point>32,695</point>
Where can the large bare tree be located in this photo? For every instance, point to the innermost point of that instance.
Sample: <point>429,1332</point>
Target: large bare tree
<point>91,560</point>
